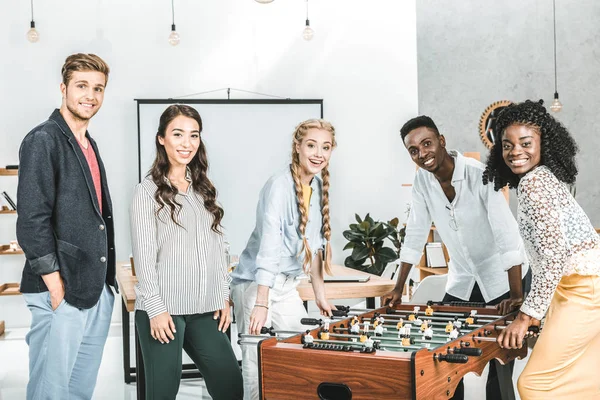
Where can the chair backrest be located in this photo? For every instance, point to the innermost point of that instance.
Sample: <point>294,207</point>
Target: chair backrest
<point>390,271</point>
<point>132,265</point>
<point>431,288</point>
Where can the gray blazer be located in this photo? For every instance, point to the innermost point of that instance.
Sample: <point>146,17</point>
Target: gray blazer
<point>59,225</point>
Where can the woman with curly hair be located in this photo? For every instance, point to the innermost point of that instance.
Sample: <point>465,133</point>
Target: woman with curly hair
<point>292,232</point>
<point>535,154</point>
<point>183,288</point>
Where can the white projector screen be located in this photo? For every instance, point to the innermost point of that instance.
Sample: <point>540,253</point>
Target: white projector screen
<point>246,142</point>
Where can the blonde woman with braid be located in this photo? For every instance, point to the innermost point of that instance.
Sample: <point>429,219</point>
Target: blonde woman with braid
<point>291,239</point>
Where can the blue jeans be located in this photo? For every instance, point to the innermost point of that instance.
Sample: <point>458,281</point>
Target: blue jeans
<point>65,346</point>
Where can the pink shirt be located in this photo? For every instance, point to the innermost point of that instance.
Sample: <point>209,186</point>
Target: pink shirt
<point>92,161</point>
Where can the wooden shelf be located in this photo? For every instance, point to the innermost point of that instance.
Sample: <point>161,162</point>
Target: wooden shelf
<point>8,172</point>
<point>9,289</point>
<point>5,250</point>
<point>1,328</point>
<point>8,211</point>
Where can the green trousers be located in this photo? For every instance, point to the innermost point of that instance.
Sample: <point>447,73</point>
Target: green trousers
<point>209,348</point>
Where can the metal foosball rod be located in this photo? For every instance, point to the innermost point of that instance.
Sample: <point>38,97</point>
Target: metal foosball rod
<point>434,325</point>
<point>481,319</point>
<point>392,331</point>
<point>416,338</point>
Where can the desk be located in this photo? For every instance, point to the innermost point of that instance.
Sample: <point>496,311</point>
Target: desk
<point>374,287</point>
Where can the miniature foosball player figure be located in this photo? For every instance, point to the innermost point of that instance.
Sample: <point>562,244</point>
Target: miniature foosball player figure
<point>369,344</point>
<point>470,320</point>
<point>406,335</point>
<point>429,311</point>
<point>324,334</point>
<point>308,339</point>
<point>428,334</point>
<point>400,324</point>
<point>366,324</point>
<point>354,326</point>
<point>457,323</point>
<point>378,328</point>
<point>425,325</point>
<point>415,314</point>
<point>454,334</point>
<point>449,327</point>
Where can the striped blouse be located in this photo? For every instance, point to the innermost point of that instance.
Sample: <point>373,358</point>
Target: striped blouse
<point>181,270</point>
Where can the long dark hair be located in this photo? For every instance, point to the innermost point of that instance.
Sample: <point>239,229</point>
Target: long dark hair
<point>198,167</point>
<point>558,148</point>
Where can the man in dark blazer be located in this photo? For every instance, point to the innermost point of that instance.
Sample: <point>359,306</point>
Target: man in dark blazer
<point>65,228</point>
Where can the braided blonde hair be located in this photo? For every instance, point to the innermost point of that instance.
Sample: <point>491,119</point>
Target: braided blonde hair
<point>299,135</point>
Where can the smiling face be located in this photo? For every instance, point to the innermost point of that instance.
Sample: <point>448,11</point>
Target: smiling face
<point>314,152</point>
<point>521,148</point>
<point>426,148</point>
<point>83,94</point>
<point>181,140</point>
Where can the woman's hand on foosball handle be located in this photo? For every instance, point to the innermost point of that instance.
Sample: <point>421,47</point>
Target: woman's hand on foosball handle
<point>258,318</point>
<point>512,336</point>
<point>509,305</point>
<point>393,297</point>
<point>324,307</point>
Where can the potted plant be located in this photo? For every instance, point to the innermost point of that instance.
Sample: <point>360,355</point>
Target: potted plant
<point>366,238</point>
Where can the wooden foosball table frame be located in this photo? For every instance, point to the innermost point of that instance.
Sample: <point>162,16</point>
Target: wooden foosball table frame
<point>287,370</point>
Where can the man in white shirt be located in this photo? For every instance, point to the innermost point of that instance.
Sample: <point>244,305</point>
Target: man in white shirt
<point>474,222</point>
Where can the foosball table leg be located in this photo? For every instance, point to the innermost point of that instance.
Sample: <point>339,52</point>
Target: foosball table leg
<point>505,381</point>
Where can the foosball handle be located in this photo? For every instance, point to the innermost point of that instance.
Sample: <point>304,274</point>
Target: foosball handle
<point>339,313</point>
<point>534,329</point>
<point>343,308</point>
<point>468,351</point>
<point>265,330</point>
<point>452,358</point>
<point>311,321</point>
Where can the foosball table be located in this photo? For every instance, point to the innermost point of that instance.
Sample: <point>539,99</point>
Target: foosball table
<point>402,352</point>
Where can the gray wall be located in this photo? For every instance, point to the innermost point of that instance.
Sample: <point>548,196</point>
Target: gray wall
<point>473,52</point>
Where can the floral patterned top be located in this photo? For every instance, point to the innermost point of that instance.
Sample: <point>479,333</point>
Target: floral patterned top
<point>558,236</point>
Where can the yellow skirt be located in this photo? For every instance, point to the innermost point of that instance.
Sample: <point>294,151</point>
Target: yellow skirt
<point>565,362</point>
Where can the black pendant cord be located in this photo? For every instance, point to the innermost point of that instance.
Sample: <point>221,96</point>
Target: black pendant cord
<point>554,17</point>
<point>173,10</point>
<point>307,12</point>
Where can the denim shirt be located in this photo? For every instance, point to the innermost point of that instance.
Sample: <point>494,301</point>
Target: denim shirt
<point>276,243</point>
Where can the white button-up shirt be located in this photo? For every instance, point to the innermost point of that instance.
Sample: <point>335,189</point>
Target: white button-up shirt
<point>477,227</point>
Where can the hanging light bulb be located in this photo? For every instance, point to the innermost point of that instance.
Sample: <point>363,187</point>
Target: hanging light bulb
<point>174,38</point>
<point>308,32</point>
<point>264,1</point>
<point>32,34</point>
<point>556,104</point>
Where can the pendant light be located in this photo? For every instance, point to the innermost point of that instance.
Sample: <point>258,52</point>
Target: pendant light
<point>174,38</point>
<point>308,32</point>
<point>32,34</point>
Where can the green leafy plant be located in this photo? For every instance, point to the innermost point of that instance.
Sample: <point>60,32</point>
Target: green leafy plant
<point>366,239</point>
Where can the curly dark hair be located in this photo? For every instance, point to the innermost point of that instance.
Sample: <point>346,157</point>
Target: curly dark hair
<point>165,193</point>
<point>558,147</point>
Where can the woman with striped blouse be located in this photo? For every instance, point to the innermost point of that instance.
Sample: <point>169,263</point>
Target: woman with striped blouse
<point>292,230</point>
<point>183,287</point>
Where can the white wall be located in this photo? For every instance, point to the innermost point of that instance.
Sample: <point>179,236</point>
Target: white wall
<point>362,62</point>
